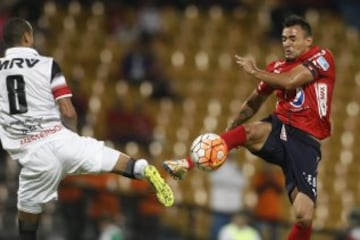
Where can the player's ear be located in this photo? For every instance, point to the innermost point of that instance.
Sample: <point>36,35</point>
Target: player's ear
<point>309,41</point>
<point>28,39</point>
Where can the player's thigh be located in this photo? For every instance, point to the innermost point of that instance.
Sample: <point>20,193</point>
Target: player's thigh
<point>86,155</point>
<point>302,160</point>
<point>256,134</point>
<point>39,178</point>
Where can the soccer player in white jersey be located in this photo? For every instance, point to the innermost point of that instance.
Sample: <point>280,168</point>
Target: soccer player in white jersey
<point>38,128</point>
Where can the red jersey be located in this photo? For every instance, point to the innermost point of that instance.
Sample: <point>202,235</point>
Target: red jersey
<point>308,107</point>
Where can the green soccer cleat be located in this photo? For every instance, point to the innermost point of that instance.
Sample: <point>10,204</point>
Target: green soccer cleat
<point>177,168</point>
<point>163,191</point>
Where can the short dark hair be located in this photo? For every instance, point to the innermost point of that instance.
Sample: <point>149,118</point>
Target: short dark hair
<point>14,30</point>
<point>293,20</point>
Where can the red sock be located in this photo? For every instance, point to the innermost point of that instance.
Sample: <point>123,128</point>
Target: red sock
<point>190,162</point>
<point>233,138</point>
<point>300,233</point>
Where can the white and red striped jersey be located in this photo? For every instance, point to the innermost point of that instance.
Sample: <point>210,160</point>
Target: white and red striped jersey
<point>30,84</point>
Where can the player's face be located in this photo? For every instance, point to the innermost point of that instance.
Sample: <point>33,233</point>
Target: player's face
<point>295,42</point>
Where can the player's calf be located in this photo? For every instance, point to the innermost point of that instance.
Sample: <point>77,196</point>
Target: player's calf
<point>27,230</point>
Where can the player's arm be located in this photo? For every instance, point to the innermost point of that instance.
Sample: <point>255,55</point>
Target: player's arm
<point>68,114</point>
<point>292,79</point>
<point>249,108</point>
<point>62,94</point>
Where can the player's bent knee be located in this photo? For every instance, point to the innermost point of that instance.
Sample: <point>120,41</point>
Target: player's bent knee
<point>304,209</point>
<point>303,220</point>
<point>256,134</point>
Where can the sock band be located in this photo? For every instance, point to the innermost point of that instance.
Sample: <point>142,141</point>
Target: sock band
<point>139,168</point>
<point>190,162</point>
<point>129,171</point>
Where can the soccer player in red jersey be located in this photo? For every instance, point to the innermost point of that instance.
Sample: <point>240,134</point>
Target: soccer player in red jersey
<point>290,137</point>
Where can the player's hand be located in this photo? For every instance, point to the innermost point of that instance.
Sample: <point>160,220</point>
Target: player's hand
<point>247,63</point>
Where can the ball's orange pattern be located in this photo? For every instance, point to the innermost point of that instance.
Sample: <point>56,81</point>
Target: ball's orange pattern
<point>208,151</point>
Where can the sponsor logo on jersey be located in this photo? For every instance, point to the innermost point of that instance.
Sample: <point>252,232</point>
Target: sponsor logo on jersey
<point>323,63</point>
<point>43,134</point>
<point>299,99</point>
<point>19,62</point>
<point>321,91</point>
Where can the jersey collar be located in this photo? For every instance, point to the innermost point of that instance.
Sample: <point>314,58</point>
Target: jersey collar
<point>306,54</point>
<point>21,50</point>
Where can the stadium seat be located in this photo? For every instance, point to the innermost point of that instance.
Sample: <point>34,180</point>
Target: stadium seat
<point>198,54</point>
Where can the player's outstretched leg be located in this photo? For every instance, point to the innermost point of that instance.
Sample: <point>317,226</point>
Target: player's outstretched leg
<point>163,190</point>
<point>141,169</point>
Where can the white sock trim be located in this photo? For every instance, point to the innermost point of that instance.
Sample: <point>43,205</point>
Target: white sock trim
<point>139,168</point>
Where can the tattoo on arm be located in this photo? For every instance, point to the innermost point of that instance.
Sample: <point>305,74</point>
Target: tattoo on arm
<point>250,107</point>
<point>255,102</point>
<point>245,113</point>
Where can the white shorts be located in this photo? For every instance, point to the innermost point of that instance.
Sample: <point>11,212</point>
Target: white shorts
<point>47,164</point>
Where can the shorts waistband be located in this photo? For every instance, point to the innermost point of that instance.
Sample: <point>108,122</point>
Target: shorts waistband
<point>302,135</point>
